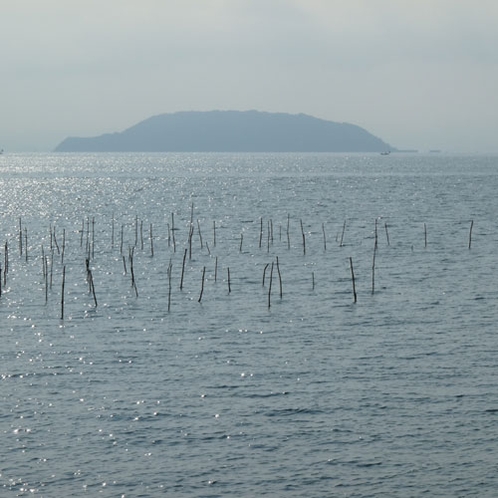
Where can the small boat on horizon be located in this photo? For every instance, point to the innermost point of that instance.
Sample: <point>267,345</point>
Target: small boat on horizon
<point>385,153</point>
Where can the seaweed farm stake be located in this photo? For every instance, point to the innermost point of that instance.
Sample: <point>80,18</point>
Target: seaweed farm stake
<point>425,235</point>
<point>288,231</point>
<point>62,291</point>
<point>169,284</point>
<point>63,245</point>
<point>112,231</point>
<point>183,269</point>
<point>264,273</point>
<point>324,237</point>
<point>89,277</point>
<point>132,272</point>
<point>20,236</point>
<point>342,234</point>
<point>151,241</point>
<point>202,284</point>
<point>6,263</point>
<point>304,238</point>
<point>228,277</point>
<point>173,231</point>
<point>352,278</point>
<point>200,234</point>
<point>387,234</point>
<point>269,286</point>
<point>279,278</point>
<point>470,233</point>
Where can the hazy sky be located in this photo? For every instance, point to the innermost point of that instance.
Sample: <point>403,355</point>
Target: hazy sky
<point>417,73</point>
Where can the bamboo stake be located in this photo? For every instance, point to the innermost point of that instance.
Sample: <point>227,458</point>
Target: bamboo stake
<point>200,234</point>
<point>288,231</point>
<point>151,241</point>
<point>264,272</point>
<point>342,234</point>
<point>324,237</point>
<point>6,263</point>
<point>374,254</point>
<point>62,291</point>
<point>269,286</point>
<point>46,278</point>
<point>93,238</point>
<point>268,237</point>
<point>183,269</point>
<point>51,268</point>
<point>279,278</point>
<point>304,238</point>
<point>190,234</point>
<point>425,235</point>
<point>202,284</point>
<point>20,236</point>
<point>387,234</point>
<point>55,241</point>
<point>112,231</point>
<point>91,286</point>
<point>169,285</point>
<point>373,269</point>
<point>63,244</point>
<point>470,233</point>
<point>228,278</point>
<point>173,231</point>
<point>352,278</point>
<point>132,272</point>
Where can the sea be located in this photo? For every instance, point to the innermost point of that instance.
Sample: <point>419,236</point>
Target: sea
<point>221,325</point>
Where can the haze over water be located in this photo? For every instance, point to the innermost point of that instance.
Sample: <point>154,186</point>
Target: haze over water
<point>241,390</point>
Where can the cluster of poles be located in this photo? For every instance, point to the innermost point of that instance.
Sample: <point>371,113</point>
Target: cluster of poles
<point>57,244</point>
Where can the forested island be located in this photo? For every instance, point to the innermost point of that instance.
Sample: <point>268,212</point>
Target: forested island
<point>231,131</point>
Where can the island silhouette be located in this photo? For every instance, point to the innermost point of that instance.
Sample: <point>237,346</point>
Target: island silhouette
<point>231,131</point>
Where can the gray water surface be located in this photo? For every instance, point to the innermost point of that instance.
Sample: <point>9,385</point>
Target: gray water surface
<point>243,391</point>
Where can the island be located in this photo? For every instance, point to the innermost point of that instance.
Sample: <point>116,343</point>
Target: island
<point>231,131</point>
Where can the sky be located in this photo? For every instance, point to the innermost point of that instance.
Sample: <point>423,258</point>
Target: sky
<point>419,74</point>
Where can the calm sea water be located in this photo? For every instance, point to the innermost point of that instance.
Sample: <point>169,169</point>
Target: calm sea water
<point>251,381</point>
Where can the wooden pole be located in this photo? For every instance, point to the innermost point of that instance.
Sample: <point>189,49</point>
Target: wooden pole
<point>269,286</point>
<point>202,283</point>
<point>183,269</point>
<point>62,292</point>
<point>279,278</point>
<point>352,278</point>
<point>342,234</point>
<point>304,238</point>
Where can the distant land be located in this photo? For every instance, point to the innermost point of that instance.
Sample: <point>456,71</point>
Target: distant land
<point>231,131</point>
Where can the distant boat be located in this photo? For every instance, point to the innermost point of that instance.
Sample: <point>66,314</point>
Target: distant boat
<point>385,153</point>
